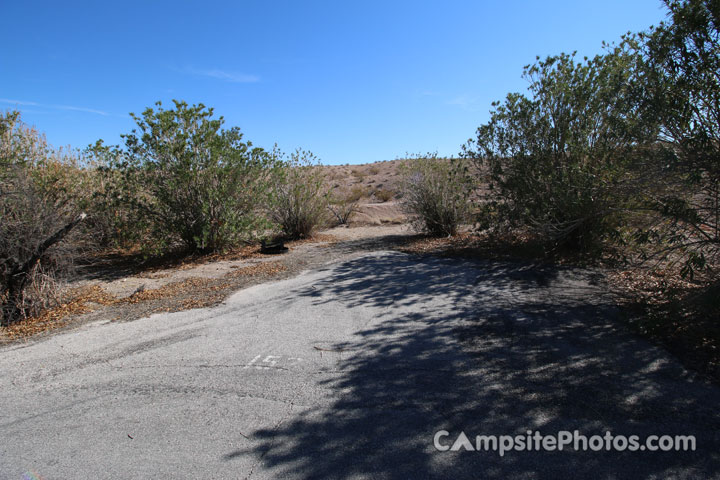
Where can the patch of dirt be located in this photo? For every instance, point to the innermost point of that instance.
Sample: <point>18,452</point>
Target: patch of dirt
<point>133,291</point>
<point>379,214</point>
<point>355,233</point>
<point>375,186</point>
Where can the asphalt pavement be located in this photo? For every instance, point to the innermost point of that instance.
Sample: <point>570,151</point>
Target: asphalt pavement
<point>349,371</point>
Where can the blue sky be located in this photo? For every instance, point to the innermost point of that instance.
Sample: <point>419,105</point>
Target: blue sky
<point>353,82</point>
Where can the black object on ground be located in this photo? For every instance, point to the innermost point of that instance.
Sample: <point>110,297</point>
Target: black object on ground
<point>274,247</point>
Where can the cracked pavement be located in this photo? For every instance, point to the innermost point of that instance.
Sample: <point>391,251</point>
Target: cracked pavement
<point>347,371</point>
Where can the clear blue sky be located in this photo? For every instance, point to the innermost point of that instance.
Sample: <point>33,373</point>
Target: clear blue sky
<point>353,82</point>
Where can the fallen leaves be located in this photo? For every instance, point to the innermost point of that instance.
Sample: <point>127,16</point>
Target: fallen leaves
<point>679,313</point>
<point>78,301</point>
<point>425,245</point>
<point>263,268</point>
<point>650,286</point>
<point>190,293</point>
<point>193,292</point>
<point>191,285</point>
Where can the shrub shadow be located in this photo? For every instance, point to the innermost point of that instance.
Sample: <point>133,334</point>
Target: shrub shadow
<point>487,348</point>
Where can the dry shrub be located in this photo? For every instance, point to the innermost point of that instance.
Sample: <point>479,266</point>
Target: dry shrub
<point>343,208</point>
<point>359,174</point>
<point>384,194</point>
<point>40,293</point>
<point>299,200</point>
<point>37,214</point>
<point>437,194</point>
<point>356,193</point>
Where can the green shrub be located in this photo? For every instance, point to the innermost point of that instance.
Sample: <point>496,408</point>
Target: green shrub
<point>189,180</point>
<point>559,162</point>
<point>299,199</point>
<point>681,65</point>
<point>113,216</point>
<point>437,194</point>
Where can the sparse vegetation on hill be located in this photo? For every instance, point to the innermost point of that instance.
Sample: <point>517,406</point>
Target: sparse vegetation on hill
<point>366,183</point>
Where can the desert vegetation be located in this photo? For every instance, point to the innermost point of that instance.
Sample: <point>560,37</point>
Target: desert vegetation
<point>186,180</point>
<point>299,198</point>
<point>436,194</point>
<point>619,149</point>
<point>611,157</point>
<point>343,208</point>
<point>180,183</point>
<point>41,199</point>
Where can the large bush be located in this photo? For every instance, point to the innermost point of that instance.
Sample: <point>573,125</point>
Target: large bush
<point>300,199</point>
<point>437,194</point>
<point>189,180</point>
<point>682,77</point>
<point>558,160</point>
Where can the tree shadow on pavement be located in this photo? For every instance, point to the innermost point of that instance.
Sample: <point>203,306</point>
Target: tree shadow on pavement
<point>488,349</point>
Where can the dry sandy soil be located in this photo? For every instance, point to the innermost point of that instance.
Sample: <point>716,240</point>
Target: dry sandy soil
<point>368,178</point>
<point>375,185</point>
<point>223,268</point>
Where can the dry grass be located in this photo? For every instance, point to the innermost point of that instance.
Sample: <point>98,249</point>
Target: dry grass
<point>384,194</point>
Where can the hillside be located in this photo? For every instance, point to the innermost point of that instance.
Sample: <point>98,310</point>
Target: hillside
<point>376,187</point>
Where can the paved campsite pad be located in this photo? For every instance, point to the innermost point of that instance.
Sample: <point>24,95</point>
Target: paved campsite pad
<point>347,371</point>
